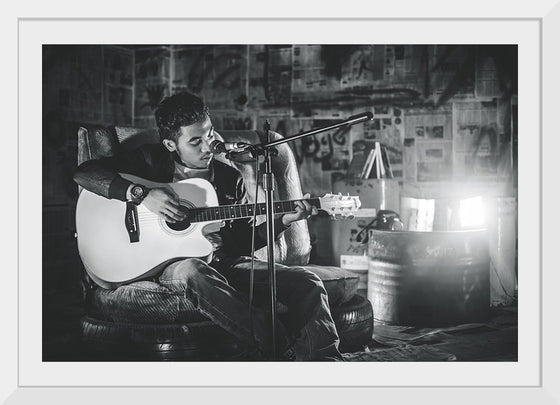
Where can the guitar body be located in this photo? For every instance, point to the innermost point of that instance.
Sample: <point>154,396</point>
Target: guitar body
<point>104,244</point>
<point>120,243</point>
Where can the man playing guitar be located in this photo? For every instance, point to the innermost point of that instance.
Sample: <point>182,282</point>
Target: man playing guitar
<point>218,289</point>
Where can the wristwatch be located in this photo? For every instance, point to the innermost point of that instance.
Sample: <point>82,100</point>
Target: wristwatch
<point>137,193</point>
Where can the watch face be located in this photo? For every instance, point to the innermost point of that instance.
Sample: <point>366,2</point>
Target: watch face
<point>137,191</point>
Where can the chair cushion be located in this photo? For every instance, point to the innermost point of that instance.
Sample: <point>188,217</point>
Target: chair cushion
<point>149,302</point>
<point>341,285</point>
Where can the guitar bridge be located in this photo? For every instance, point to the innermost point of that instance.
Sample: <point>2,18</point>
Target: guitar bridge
<point>131,222</point>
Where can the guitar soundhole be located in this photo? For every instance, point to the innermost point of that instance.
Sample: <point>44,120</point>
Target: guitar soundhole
<point>179,226</point>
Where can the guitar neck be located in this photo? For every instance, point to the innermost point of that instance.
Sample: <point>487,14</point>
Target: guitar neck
<point>223,212</point>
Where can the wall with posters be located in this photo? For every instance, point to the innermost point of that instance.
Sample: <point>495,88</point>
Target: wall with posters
<point>446,113</point>
<point>443,112</point>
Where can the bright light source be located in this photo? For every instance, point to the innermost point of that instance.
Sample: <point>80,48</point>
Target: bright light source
<point>471,212</point>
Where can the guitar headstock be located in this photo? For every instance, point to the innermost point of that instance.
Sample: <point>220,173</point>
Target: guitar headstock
<point>340,206</point>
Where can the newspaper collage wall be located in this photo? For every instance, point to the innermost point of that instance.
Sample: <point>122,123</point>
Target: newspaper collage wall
<point>427,111</point>
<point>438,110</point>
<point>443,113</point>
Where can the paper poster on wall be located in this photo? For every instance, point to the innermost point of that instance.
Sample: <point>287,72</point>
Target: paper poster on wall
<point>428,144</point>
<point>429,123</point>
<point>476,143</point>
<point>389,70</point>
<point>218,73</point>
<point>434,160</point>
<point>151,75</point>
<point>487,81</point>
<point>316,90</point>
<point>358,69</point>
<point>232,120</point>
<point>270,77</point>
<point>320,157</point>
<point>225,84</point>
<point>452,71</point>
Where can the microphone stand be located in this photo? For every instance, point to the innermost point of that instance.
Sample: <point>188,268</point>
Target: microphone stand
<point>268,186</point>
<point>267,150</point>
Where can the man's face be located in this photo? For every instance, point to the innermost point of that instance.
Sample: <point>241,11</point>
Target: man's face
<point>193,145</point>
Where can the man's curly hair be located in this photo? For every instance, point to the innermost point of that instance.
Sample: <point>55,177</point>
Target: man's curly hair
<point>178,111</point>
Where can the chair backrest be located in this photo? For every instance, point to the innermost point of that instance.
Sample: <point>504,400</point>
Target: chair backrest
<point>95,142</point>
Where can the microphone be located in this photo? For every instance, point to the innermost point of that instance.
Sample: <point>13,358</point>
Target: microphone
<point>224,147</point>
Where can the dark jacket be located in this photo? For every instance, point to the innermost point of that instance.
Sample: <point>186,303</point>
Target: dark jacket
<point>156,163</point>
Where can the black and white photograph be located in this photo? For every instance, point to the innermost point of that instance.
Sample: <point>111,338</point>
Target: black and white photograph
<point>346,206</point>
<point>156,165</point>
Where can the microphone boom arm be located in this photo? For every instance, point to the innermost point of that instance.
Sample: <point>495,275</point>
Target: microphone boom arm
<point>355,119</point>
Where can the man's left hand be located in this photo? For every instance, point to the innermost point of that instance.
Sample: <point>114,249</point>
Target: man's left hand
<point>303,211</point>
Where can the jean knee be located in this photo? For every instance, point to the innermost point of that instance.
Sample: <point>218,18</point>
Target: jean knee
<point>191,265</point>
<point>184,272</point>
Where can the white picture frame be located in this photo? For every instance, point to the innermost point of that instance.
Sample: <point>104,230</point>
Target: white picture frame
<point>533,26</point>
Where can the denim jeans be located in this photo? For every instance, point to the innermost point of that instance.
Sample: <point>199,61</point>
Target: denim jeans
<point>221,294</point>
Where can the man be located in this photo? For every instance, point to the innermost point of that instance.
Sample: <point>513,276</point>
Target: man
<point>219,289</point>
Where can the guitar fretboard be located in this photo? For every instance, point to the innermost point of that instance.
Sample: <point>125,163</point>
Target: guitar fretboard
<point>223,212</point>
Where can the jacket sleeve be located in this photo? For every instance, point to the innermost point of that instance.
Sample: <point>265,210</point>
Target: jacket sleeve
<point>101,176</point>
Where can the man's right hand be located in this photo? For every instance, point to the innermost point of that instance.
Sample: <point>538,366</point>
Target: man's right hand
<point>165,203</point>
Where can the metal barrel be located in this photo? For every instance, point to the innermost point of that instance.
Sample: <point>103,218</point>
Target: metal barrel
<point>429,278</point>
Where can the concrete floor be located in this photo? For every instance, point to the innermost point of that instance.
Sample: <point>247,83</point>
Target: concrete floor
<point>494,340</point>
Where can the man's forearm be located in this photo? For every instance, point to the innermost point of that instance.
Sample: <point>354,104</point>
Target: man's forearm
<point>279,227</point>
<point>92,176</point>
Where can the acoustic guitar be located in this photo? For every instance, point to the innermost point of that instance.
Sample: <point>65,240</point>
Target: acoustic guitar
<point>120,242</point>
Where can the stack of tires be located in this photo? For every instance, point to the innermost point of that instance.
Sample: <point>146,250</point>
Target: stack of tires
<point>204,341</point>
